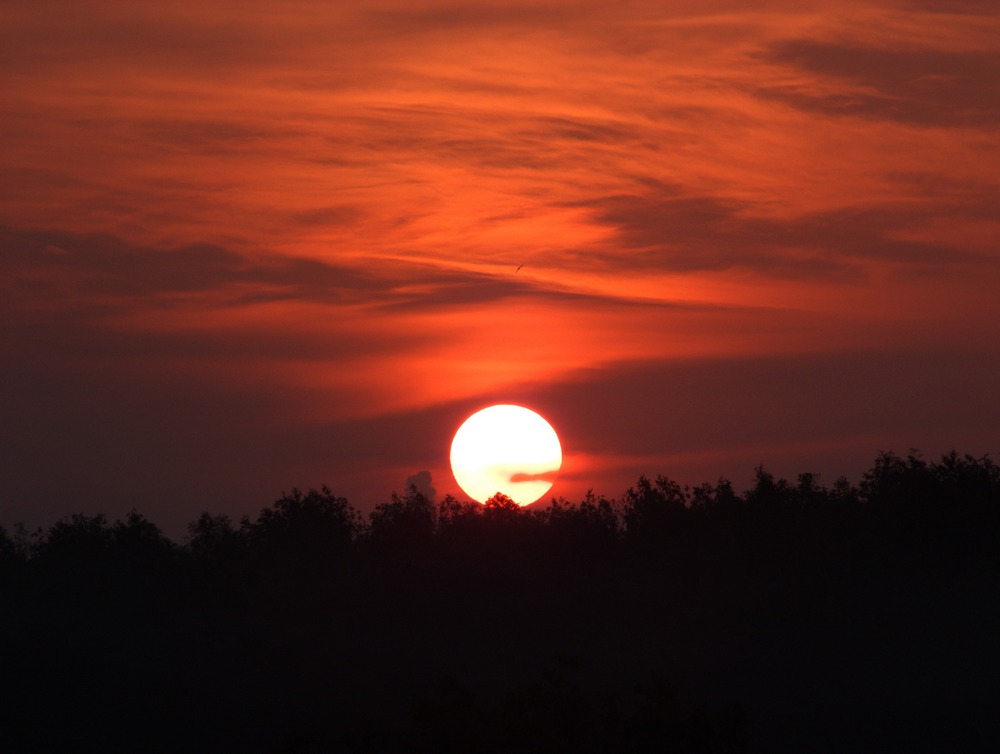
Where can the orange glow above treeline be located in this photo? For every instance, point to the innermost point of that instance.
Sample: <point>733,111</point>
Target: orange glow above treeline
<point>319,199</point>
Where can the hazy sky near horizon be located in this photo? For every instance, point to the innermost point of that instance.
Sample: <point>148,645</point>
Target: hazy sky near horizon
<point>247,246</point>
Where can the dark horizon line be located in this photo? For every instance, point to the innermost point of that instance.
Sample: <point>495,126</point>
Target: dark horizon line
<point>808,486</point>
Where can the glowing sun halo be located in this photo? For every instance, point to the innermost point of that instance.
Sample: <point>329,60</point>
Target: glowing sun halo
<point>508,449</point>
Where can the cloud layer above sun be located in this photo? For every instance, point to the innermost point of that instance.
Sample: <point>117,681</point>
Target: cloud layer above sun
<point>314,218</point>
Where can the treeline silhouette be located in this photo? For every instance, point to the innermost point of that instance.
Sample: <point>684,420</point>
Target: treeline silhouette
<point>793,616</point>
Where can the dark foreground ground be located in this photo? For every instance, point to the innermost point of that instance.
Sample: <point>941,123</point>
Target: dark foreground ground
<point>792,617</point>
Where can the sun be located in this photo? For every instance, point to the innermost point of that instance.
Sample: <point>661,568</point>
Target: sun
<point>508,449</point>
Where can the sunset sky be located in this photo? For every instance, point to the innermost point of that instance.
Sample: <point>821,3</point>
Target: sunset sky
<point>249,246</point>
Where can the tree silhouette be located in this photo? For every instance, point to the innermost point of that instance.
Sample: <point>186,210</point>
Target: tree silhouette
<point>404,522</point>
<point>446,721</point>
<point>139,545</point>
<point>654,511</point>
<point>500,507</point>
<point>775,615</point>
<point>895,481</point>
<point>300,525</point>
<point>79,539</point>
<point>771,495</point>
<point>12,553</point>
<point>453,512</point>
<point>214,538</point>
<point>590,527</point>
<point>550,713</point>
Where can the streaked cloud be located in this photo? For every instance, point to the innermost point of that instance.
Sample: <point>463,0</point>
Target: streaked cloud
<point>328,221</point>
<point>926,87</point>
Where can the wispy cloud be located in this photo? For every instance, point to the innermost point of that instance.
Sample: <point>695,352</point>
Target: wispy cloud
<point>926,87</point>
<point>331,218</point>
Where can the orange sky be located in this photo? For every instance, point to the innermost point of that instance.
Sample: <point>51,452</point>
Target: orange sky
<point>249,246</point>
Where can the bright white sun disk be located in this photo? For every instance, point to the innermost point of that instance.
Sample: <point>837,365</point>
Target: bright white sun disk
<point>508,449</point>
